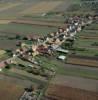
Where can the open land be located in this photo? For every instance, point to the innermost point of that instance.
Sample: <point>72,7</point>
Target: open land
<point>10,91</point>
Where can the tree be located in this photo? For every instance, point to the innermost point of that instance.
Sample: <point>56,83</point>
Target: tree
<point>18,36</point>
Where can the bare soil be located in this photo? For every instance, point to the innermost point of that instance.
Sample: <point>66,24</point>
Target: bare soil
<point>10,91</point>
<point>79,61</point>
<point>58,92</point>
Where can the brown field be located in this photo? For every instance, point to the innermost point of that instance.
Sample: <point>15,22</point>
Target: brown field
<point>76,82</point>
<point>57,92</point>
<point>10,91</point>
<point>42,7</point>
<point>80,61</point>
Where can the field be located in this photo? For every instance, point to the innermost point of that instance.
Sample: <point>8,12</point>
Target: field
<point>42,7</point>
<point>58,92</point>
<point>10,91</point>
<point>83,61</point>
<point>86,42</point>
<point>76,82</point>
<point>68,69</point>
<point>25,29</point>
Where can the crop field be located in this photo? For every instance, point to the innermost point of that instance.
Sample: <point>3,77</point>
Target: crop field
<point>86,41</point>
<point>26,29</point>
<point>85,62</point>
<point>76,82</point>
<point>10,91</point>
<point>86,47</point>
<point>11,10</point>
<point>42,7</point>
<point>5,21</point>
<point>9,5</point>
<point>58,92</point>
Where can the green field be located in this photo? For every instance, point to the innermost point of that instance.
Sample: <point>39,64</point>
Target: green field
<point>85,47</point>
<point>25,29</point>
<point>86,41</point>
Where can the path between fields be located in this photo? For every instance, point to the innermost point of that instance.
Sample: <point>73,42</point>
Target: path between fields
<point>76,82</point>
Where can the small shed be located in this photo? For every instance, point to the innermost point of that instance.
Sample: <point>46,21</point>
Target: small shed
<point>62,57</point>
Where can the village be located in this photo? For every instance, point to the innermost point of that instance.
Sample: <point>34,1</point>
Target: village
<point>51,53</point>
<point>47,46</point>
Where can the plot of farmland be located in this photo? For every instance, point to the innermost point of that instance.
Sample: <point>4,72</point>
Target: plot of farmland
<point>58,92</point>
<point>42,7</point>
<point>5,21</point>
<point>76,82</point>
<point>24,29</point>
<point>10,91</point>
<point>9,5</point>
<point>14,11</point>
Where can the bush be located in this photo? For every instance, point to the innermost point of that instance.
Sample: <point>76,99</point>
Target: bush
<point>95,44</point>
<point>96,54</point>
<point>7,66</point>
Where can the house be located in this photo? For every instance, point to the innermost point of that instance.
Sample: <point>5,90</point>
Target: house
<point>60,30</point>
<point>42,49</point>
<point>61,57</point>
<point>79,28</point>
<point>62,50</point>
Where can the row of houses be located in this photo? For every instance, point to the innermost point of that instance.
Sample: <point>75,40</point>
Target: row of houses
<point>52,41</point>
